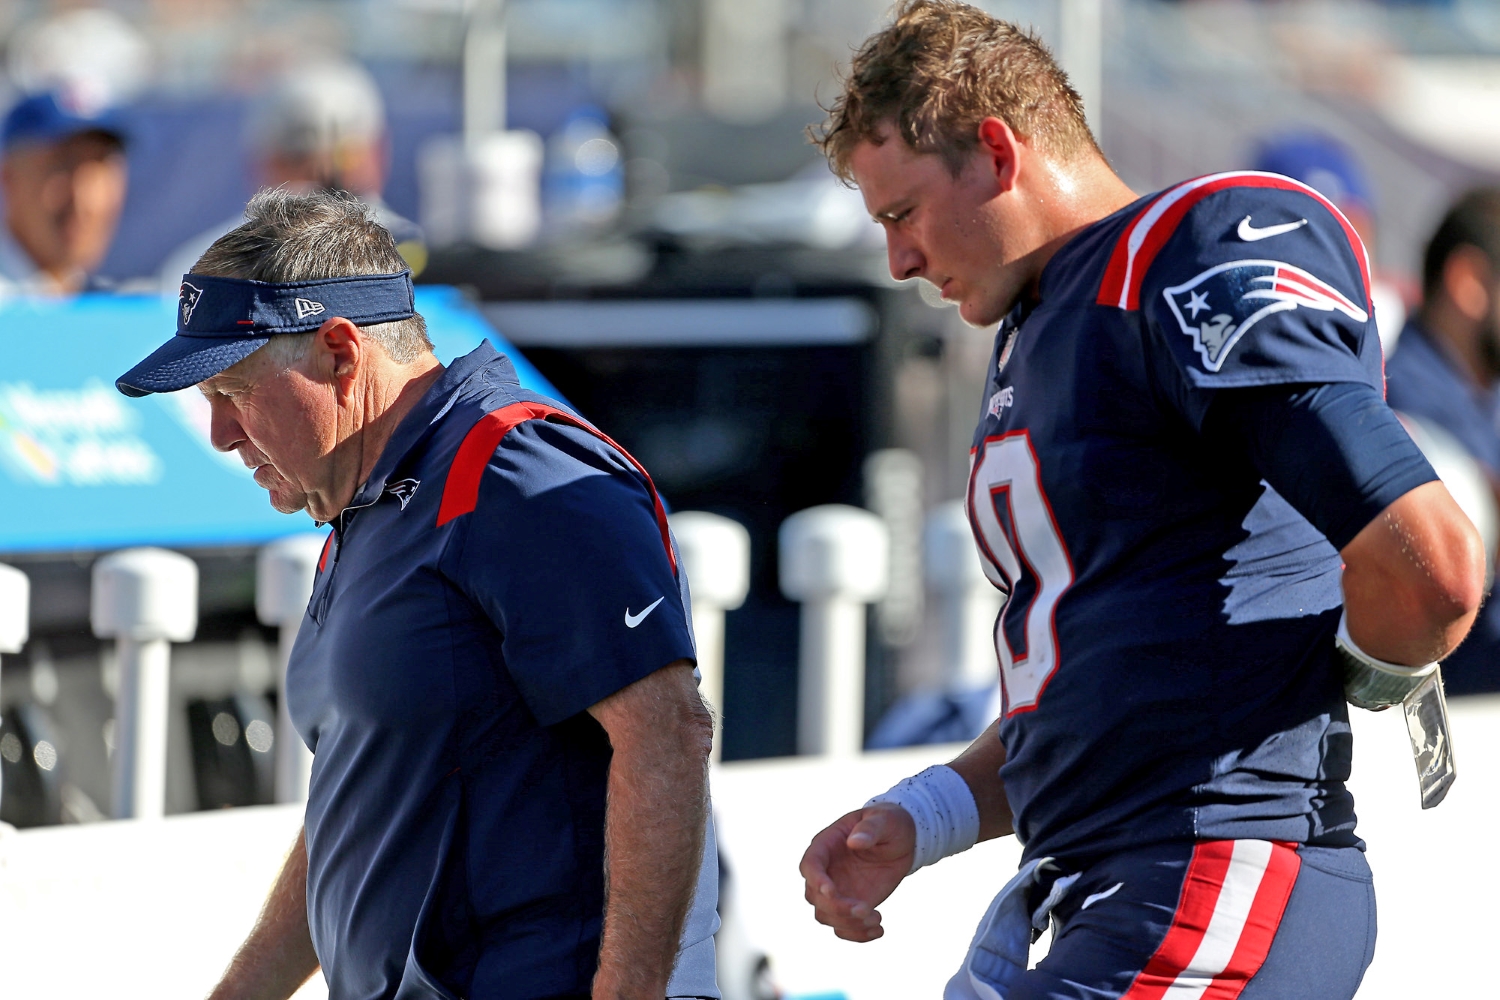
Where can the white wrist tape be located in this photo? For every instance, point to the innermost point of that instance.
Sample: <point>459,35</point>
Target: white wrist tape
<point>943,808</point>
<point>1371,683</point>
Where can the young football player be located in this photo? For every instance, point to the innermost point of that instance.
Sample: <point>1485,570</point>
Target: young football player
<point>1208,524</point>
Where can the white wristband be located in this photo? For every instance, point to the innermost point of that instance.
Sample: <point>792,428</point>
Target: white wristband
<point>943,809</point>
<point>1370,683</point>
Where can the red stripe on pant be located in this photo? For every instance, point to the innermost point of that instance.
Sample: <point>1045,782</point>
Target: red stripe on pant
<point>1203,888</point>
<point>1260,927</point>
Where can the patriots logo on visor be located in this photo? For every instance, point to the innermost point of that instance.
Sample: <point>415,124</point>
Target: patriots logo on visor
<point>187,300</point>
<point>1218,306</point>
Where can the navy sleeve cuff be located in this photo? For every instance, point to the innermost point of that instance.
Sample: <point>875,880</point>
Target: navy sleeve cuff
<point>1336,452</point>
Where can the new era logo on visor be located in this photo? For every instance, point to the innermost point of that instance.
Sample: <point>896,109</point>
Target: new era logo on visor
<point>307,307</point>
<point>187,299</point>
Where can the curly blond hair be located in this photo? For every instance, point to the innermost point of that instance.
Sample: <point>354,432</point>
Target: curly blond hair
<point>936,72</point>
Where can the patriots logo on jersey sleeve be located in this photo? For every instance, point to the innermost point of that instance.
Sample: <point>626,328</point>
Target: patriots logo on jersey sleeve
<point>1219,306</point>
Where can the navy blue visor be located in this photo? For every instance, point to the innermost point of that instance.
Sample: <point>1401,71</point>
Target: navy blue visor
<point>223,320</point>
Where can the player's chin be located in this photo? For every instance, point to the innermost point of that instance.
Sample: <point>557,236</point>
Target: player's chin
<point>978,313</point>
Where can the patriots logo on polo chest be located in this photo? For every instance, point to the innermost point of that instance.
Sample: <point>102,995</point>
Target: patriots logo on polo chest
<point>1217,307</point>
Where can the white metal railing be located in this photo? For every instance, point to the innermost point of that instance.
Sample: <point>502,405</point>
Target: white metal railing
<point>15,609</point>
<point>284,574</point>
<point>143,599</point>
<point>715,554</point>
<point>834,560</point>
<point>967,602</point>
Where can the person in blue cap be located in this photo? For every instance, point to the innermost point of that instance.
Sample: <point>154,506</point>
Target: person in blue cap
<point>63,176</point>
<point>1329,167</point>
<point>495,673</point>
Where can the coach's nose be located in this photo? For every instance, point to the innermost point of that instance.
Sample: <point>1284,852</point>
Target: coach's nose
<point>224,430</point>
<point>905,259</point>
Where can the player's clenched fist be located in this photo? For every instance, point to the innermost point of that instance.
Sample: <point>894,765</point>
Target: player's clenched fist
<point>853,865</point>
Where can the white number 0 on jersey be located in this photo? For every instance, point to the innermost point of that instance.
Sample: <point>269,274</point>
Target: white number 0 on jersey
<point>1006,475</point>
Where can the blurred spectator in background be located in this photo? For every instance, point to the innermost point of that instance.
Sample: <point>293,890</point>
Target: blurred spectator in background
<point>1447,371</point>
<point>63,175</point>
<point>1329,167</point>
<point>317,126</point>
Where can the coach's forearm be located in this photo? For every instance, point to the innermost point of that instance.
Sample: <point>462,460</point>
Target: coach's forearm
<point>653,828</point>
<point>277,957</point>
<point>979,766</point>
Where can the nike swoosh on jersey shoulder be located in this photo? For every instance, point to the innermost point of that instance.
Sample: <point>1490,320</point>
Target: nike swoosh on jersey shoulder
<point>1250,233</point>
<point>1144,235</point>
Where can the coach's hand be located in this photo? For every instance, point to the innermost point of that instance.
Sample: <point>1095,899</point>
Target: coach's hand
<point>853,865</point>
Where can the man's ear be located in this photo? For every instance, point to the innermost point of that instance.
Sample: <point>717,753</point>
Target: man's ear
<point>341,345</point>
<point>1001,149</point>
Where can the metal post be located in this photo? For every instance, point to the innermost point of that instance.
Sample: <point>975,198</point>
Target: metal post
<point>15,609</point>
<point>1080,49</point>
<point>968,602</point>
<point>484,70</point>
<point>716,557</point>
<point>143,599</point>
<point>284,574</point>
<point>834,559</point>
<point>140,759</point>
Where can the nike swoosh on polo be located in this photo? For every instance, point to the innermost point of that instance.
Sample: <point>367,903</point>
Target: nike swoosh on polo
<point>1250,233</point>
<point>631,621</point>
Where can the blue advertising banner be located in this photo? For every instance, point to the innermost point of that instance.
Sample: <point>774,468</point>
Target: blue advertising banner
<point>83,467</point>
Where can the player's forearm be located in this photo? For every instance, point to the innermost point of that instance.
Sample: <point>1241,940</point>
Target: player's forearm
<point>979,766</point>
<point>277,957</point>
<point>654,825</point>
<point>1413,579</point>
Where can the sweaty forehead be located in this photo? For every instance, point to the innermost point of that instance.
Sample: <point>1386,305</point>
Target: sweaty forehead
<point>891,172</point>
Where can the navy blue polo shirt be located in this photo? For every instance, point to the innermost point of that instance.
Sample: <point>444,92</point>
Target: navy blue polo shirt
<point>504,567</point>
<point>1421,379</point>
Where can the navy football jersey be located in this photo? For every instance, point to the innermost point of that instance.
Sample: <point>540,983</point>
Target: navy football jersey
<point>1166,647</point>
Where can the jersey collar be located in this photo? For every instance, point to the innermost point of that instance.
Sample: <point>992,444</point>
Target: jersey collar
<point>1062,261</point>
<point>420,421</point>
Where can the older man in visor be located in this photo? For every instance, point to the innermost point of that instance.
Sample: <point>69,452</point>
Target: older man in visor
<point>495,673</point>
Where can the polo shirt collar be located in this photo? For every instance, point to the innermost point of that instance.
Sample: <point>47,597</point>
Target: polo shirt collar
<point>483,361</point>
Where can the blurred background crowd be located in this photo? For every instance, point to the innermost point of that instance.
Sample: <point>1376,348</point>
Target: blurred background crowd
<point>625,189</point>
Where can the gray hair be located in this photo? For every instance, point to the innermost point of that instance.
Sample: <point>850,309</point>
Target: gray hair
<point>321,234</point>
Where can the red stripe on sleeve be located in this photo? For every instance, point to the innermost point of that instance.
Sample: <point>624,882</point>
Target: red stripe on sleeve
<point>1195,908</point>
<point>461,491</point>
<point>1261,925</point>
<point>1125,267</point>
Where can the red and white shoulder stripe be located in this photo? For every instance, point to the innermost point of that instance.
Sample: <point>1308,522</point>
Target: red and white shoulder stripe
<point>461,490</point>
<point>1231,904</point>
<point>1149,231</point>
